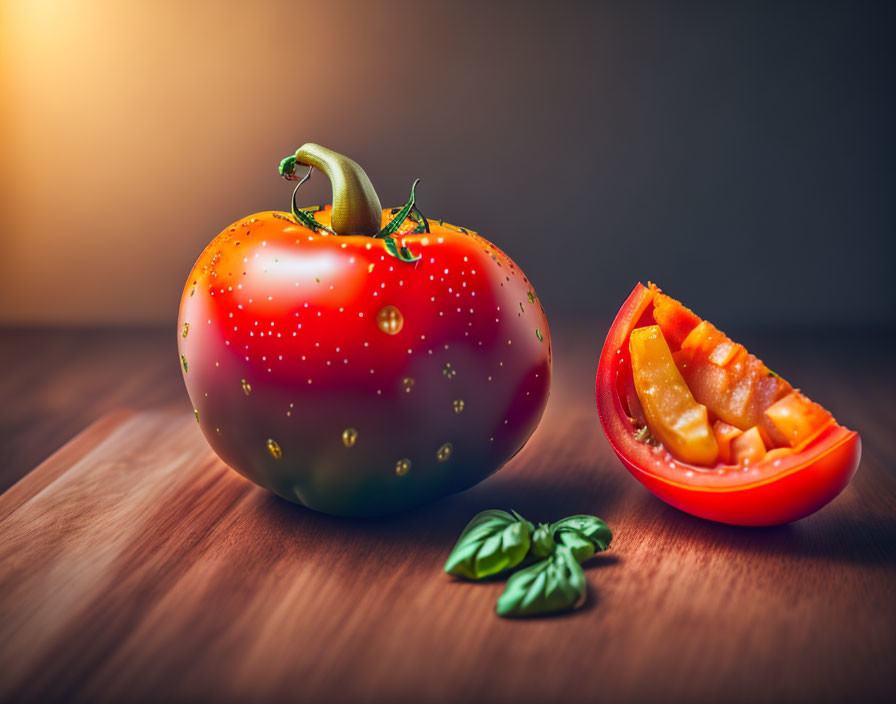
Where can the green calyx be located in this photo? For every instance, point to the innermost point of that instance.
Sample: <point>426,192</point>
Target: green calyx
<point>401,215</point>
<point>496,542</point>
<point>409,209</point>
<point>304,216</point>
<point>356,206</point>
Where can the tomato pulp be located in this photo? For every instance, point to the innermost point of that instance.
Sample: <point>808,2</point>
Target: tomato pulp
<point>779,458</point>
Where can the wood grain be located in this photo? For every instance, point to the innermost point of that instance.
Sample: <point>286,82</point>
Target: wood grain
<point>134,566</point>
<point>56,382</point>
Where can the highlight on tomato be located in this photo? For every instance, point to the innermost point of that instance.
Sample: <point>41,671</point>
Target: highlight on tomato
<point>707,427</point>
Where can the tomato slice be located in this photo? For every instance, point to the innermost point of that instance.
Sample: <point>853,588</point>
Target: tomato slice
<point>786,484</point>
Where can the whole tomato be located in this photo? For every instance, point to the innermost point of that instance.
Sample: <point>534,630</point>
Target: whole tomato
<point>357,360</point>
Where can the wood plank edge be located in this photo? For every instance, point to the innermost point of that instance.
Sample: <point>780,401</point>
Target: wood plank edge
<point>56,464</point>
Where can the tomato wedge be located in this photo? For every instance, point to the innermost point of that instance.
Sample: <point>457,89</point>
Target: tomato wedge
<point>810,458</point>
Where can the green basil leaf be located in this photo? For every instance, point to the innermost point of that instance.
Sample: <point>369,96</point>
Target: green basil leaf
<point>557,583</point>
<point>580,548</point>
<point>492,542</point>
<point>542,541</point>
<point>583,535</point>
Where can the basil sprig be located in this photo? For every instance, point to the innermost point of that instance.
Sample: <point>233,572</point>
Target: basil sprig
<point>557,583</point>
<point>552,579</point>
<point>542,541</point>
<point>584,535</point>
<point>492,542</point>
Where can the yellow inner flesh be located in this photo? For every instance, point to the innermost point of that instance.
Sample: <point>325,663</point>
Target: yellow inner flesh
<point>673,416</point>
<point>676,419</point>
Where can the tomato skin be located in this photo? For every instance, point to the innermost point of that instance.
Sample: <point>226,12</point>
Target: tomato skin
<point>274,304</point>
<point>770,493</point>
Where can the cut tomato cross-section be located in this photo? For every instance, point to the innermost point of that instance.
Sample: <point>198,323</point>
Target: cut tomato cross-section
<point>707,426</point>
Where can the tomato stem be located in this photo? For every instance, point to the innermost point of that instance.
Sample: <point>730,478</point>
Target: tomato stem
<point>356,207</point>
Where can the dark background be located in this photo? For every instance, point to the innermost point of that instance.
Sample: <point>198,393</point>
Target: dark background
<point>740,154</point>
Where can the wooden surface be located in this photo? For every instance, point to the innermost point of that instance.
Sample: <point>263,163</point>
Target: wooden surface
<point>134,566</point>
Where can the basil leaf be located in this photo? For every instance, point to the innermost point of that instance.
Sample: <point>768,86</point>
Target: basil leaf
<point>542,541</point>
<point>492,542</point>
<point>557,583</point>
<point>583,535</point>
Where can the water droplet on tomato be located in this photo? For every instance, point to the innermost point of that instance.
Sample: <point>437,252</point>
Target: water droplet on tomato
<point>390,320</point>
<point>349,437</point>
<point>274,449</point>
<point>402,467</point>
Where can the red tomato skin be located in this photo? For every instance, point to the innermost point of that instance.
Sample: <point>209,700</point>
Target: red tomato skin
<point>359,417</point>
<point>773,493</point>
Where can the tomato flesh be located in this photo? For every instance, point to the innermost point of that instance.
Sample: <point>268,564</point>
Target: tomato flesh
<point>738,391</point>
<point>674,319</point>
<point>748,447</point>
<point>798,419</point>
<point>725,434</point>
<point>672,414</point>
<point>797,475</point>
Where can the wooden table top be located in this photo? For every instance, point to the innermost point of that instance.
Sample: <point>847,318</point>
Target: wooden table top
<point>134,566</point>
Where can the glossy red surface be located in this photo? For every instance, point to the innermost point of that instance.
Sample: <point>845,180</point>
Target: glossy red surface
<point>343,378</point>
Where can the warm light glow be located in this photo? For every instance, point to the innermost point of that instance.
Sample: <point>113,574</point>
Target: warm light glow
<point>132,133</point>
